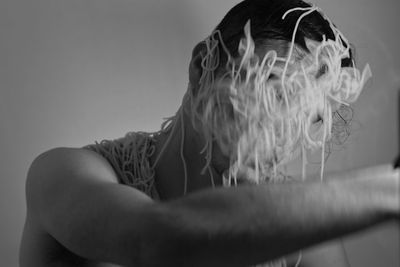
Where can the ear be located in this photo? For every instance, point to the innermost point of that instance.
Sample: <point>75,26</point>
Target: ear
<point>195,68</point>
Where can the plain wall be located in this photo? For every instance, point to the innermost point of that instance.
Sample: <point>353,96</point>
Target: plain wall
<point>76,71</point>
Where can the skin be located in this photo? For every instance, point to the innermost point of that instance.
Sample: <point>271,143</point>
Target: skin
<point>78,214</point>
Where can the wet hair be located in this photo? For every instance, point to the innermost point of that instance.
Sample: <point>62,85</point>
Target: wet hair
<point>266,23</point>
<point>236,102</point>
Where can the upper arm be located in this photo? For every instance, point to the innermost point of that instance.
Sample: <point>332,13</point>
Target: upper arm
<point>74,195</point>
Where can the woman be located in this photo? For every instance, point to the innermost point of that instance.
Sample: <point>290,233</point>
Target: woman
<point>209,189</point>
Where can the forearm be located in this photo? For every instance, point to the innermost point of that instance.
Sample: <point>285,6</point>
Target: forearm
<point>249,224</point>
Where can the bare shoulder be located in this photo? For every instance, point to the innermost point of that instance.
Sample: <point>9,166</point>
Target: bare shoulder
<point>67,189</point>
<point>71,159</point>
<point>63,167</point>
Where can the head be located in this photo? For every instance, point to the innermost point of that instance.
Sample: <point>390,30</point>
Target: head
<point>256,89</point>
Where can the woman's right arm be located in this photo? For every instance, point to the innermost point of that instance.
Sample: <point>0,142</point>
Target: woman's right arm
<point>75,196</point>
